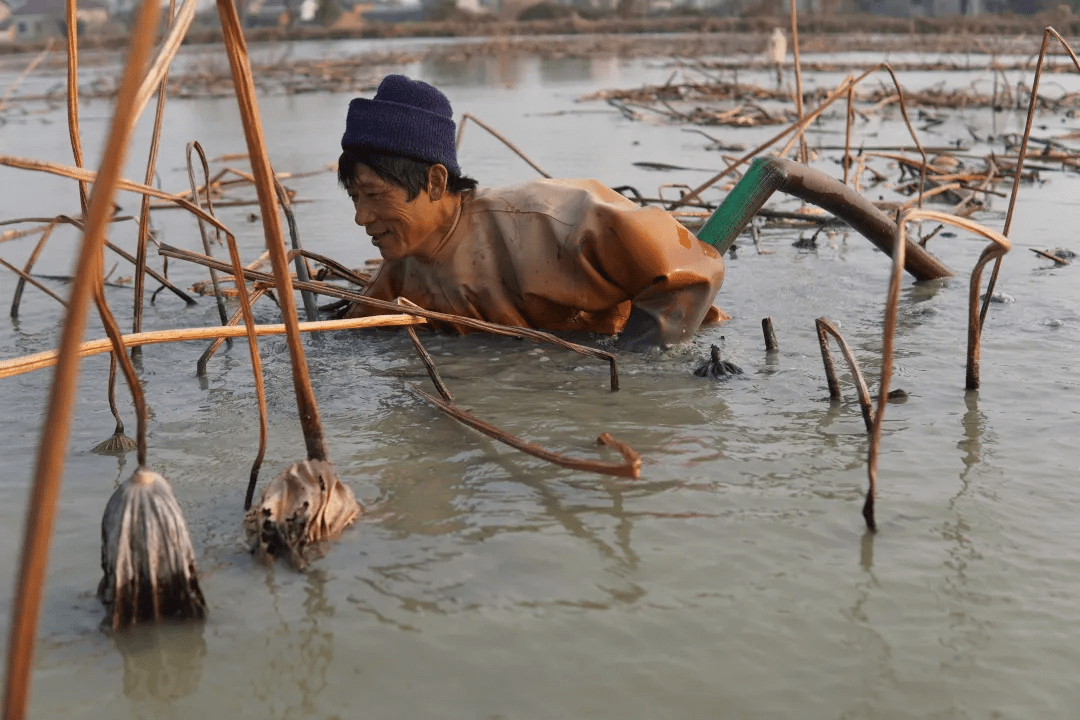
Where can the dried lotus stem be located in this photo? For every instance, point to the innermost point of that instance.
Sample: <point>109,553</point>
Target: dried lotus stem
<point>461,132</point>
<point>38,361</point>
<point>52,449</point>
<point>630,468</point>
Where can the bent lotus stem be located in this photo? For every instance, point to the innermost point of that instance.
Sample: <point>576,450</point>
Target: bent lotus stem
<point>998,247</point>
<point>200,365</point>
<point>824,330</point>
<point>118,443</point>
<point>195,146</point>
<point>1022,155</point>
<point>52,449</point>
<point>70,16</point>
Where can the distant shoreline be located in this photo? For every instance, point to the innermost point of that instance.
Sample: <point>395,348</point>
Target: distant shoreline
<point>984,33</point>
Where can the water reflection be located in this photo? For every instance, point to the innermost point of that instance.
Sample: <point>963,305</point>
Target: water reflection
<point>298,659</point>
<point>504,70</point>
<point>974,423</point>
<point>965,634</point>
<point>565,69</point>
<point>872,645</point>
<point>162,663</point>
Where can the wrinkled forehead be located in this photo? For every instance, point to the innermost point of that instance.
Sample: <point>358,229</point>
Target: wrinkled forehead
<point>364,178</point>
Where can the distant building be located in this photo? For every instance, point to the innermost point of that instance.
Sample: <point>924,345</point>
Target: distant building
<point>40,19</point>
<point>266,13</point>
<point>922,8</point>
<point>7,27</point>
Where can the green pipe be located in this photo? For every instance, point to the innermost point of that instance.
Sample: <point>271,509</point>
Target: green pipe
<point>768,174</point>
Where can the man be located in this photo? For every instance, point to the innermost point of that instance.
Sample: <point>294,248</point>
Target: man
<point>548,254</point>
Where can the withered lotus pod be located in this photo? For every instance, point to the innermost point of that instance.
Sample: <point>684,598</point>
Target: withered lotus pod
<point>300,510</point>
<point>146,555</point>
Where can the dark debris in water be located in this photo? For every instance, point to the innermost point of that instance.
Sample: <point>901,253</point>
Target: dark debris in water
<point>897,396</point>
<point>716,368</point>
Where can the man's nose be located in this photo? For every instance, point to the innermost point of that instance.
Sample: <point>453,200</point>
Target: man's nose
<point>363,214</point>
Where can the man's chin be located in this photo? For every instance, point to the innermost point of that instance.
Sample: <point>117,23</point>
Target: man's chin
<point>388,252</point>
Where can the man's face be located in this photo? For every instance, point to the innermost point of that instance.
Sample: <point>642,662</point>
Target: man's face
<point>399,227</point>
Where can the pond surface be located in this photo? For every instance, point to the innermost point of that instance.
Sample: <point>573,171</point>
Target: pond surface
<point>734,579</point>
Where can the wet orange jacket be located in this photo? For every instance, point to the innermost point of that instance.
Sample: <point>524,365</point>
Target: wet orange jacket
<point>563,255</point>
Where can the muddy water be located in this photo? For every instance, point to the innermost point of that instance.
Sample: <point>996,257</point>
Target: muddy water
<point>733,580</point>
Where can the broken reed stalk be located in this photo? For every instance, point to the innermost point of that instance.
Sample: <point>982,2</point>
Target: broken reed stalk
<point>1022,154</point>
<point>26,72</point>
<point>803,155</point>
<point>331,290</point>
<point>630,468</point>
<point>202,223</point>
<point>52,448</point>
<point>80,174</point>
<point>24,276</point>
<point>165,283</point>
<point>144,208</point>
<point>39,361</point>
<point>840,91</point>
<point>179,24</point>
<point>824,329</point>
<point>307,504</point>
<point>797,126</point>
<point>770,335</point>
<point>70,16</point>
<point>16,234</point>
<point>847,131</point>
<point>461,131</point>
<point>337,267</point>
<point>1049,256</point>
<point>903,113</point>
<point>200,365</point>
<point>433,372</point>
<point>84,175</point>
<point>311,310</point>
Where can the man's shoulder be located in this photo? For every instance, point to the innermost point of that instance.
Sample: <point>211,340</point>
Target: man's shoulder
<point>546,196</point>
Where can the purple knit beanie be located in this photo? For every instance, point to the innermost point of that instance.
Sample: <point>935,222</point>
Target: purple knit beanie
<point>406,117</point>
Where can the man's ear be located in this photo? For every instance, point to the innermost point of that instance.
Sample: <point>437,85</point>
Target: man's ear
<point>436,181</point>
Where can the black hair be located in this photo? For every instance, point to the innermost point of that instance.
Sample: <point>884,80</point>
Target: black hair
<point>405,172</point>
